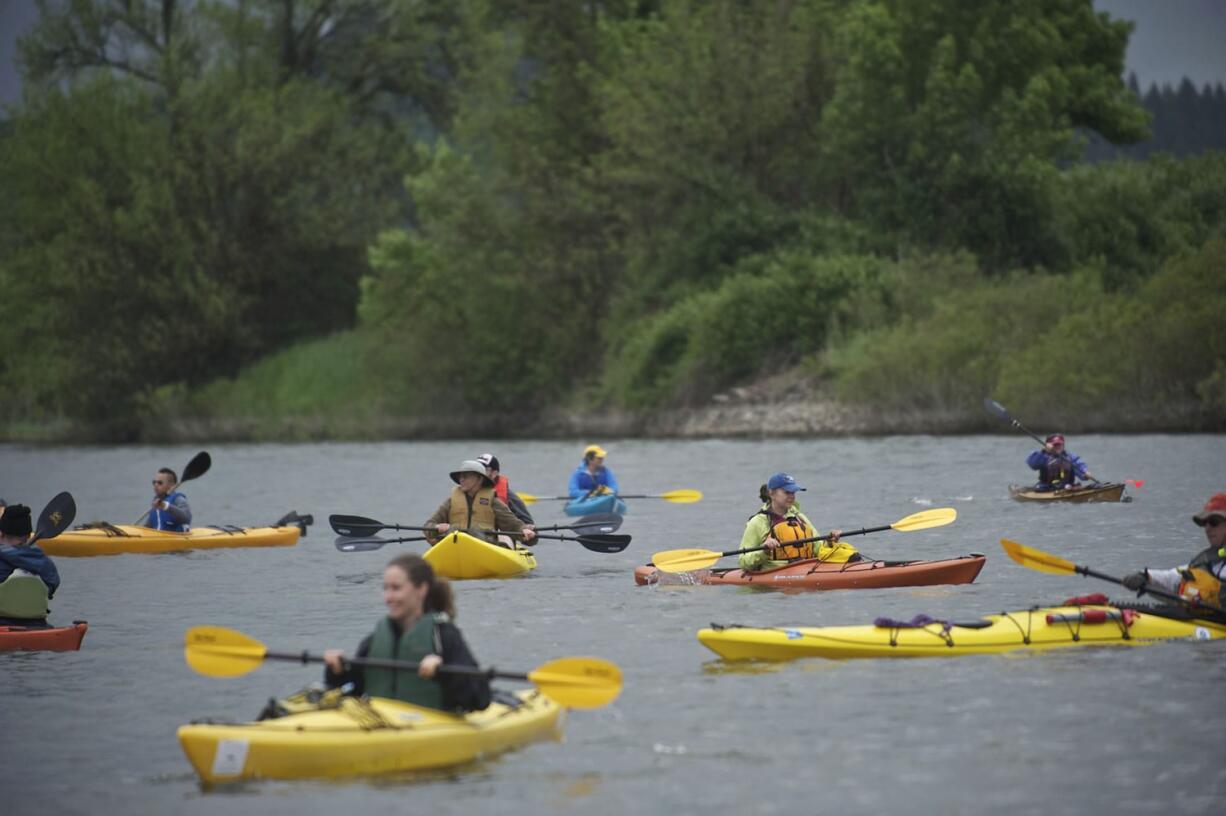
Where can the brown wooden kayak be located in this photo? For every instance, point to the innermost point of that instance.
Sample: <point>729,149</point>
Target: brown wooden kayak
<point>813,574</point>
<point>1113,492</point>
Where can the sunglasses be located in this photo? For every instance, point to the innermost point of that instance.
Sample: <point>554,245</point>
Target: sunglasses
<point>1214,521</point>
<point>159,481</point>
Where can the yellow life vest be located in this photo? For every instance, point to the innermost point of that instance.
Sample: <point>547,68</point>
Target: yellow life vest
<point>792,529</point>
<point>1200,584</point>
<point>481,514</point>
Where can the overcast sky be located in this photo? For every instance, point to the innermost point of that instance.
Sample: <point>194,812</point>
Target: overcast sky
<point>1172,39</point>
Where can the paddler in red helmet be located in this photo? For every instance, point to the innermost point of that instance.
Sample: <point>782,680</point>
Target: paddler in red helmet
<point>1202,577</point>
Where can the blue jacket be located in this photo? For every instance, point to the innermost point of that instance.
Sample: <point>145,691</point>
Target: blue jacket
<point>33,560</point>
<point>582,483</point>
<point>178,519</point>
<point>1049,467</point>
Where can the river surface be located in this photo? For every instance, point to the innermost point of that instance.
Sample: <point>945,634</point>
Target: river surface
<point>1121,730</point>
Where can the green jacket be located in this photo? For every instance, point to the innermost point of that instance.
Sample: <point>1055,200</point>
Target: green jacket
<point>756,530</point>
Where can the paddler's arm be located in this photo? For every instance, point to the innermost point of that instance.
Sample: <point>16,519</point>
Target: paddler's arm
<point>179,510</point>
<point>440,517</point>
<point>518,507</point>
<point>507,521</point>
<point>461,692</point>
<point>756,530</point>
<point>347,673</point>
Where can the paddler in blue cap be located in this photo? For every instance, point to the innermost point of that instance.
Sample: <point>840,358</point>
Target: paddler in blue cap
<point>780,521</point>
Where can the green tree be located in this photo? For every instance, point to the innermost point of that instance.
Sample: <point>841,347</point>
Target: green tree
<point>948,120</point>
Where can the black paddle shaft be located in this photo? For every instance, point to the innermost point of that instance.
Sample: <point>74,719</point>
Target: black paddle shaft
<point>999,410</point>
<point>1160,593</point>
<point>379,663</point>
<point>861,531</point>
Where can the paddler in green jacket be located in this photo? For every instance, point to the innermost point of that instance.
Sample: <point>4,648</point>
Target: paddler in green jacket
<point>473,505</point>
<point>418,629</point>
<point>780,521</point>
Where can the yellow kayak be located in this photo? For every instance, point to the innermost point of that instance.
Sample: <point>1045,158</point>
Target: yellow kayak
<point>348,736</point>
<point>1037,629</point>
<point>124,538</point>
<point>461,556</point>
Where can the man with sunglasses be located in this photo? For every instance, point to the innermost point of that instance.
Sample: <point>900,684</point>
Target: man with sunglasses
<point>1202,577</point>
<point>170,510</point>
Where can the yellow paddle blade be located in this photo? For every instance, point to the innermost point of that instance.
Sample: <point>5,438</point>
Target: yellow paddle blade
<point>219,652</point>
<point>684,496</point>
<point>937,517</point>
<point>528,498</point>
<point>684,560</point>
<point>1037,559</point>
<point>578,682</point>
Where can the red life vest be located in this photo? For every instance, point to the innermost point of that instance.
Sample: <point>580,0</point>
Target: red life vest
<point>501,488</point>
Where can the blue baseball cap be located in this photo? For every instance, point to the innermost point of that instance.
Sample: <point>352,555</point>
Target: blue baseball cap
<point>785,481</point>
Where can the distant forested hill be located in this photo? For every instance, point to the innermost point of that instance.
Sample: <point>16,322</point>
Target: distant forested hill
<point>1184,121</point>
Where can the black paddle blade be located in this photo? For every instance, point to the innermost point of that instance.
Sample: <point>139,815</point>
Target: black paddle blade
<point>293,519</point>
<point>197,467</point>
<point>598,523</point>
<point>354,544</point>
<point>605,543</point>
<point>355,525</point>
<point>56,516</point>
<point>993,407</point>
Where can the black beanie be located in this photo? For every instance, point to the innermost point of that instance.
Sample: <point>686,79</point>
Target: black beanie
<point>16,521</point>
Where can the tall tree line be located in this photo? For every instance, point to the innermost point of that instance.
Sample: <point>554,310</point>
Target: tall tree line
<point>1184,121</point>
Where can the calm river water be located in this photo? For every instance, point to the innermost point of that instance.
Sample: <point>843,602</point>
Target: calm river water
<point>1082,731</point>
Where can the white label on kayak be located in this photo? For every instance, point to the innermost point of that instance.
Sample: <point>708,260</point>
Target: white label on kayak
<point>230,757</point>
<point>792,634</point>
<point>1202,633</point>
<point>409,716</point>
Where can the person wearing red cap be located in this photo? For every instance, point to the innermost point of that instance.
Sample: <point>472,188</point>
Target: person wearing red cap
<point>16,554</point>
<point>1058,469</point>
<point>1202,577</point>
<point>502,488</point>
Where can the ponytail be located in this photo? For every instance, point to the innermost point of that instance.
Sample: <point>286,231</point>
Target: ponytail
<point>764,494</point>
<point>438,597</point>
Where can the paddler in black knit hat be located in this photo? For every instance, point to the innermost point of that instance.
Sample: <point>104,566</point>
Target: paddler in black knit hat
<point>16,554</point>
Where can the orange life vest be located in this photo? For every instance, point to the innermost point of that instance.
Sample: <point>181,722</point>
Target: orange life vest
<point>792,529</point>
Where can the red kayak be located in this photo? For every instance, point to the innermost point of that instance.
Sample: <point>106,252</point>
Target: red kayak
<point>813,574</point>
<point>42,638</point>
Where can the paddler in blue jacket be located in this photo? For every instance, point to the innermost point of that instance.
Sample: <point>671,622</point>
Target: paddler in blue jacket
<point>419,629</point>
<point>592,478</point>
<point>1202,577</point>
<point>170,510</point>
<point>1058,469</point>
<point>16,554</point>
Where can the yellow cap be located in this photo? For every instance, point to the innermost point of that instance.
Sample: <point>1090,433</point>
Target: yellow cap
<point>596,449</point>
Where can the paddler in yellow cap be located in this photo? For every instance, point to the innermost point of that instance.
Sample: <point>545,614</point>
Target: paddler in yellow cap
<point>592,478</point>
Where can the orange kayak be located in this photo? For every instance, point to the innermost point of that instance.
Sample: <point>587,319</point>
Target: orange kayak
<point>813,574</point>
<point>42,638</point>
